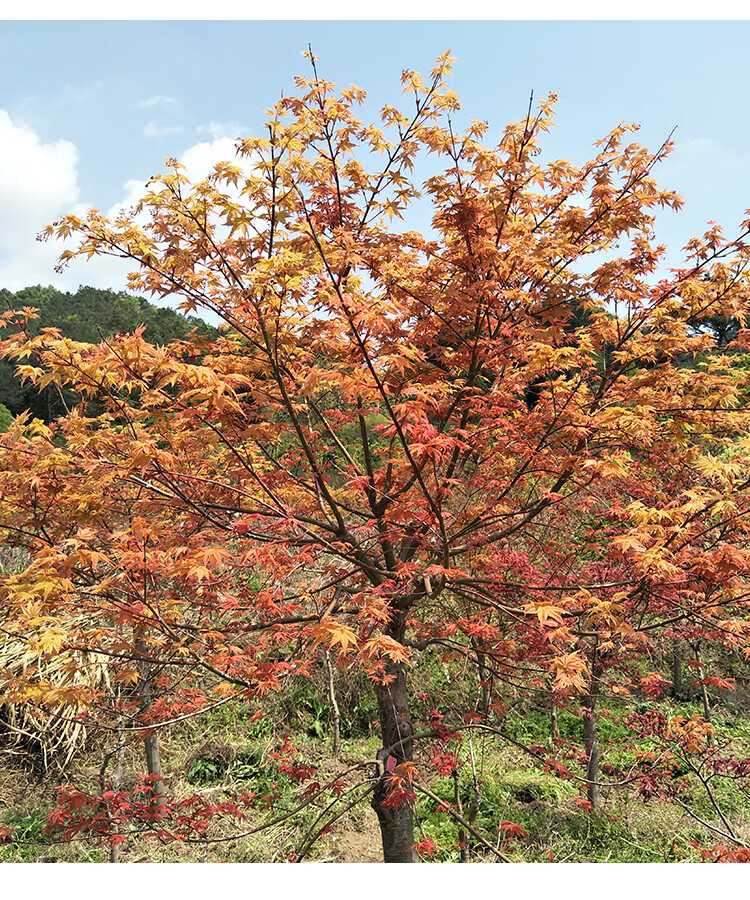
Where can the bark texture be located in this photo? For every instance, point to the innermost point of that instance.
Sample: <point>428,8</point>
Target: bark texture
<point>590,741</point>
<point>335,711</point>
<point>396,825</point>
<point>151,742</point>
<point>677,685</point>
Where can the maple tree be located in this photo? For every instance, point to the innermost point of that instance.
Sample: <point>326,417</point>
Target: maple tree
<point>505,437</point>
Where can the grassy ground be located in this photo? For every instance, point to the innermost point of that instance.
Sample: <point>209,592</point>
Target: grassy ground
<point>527,813</point>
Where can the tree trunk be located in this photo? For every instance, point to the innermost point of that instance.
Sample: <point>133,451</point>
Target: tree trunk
<point>114,850</point>
<point>153,764</point>
<point>677,686</point>
<point>484,698</point>
<point>704,693</point>
<point>151,742</point>
<point>590,742</point>
<point>554,726</point>
<point>463,842</point>
<point>593,791</point>
<point>396,825</point>
<point>116,783</point>
<point>336,713</point>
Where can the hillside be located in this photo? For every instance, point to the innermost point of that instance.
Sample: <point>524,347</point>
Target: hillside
<point>88,315</point>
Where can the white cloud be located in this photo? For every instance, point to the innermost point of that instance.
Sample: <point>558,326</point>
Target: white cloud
<point>221,130</point>
<point>39,182</point>
<point>198,161</point>
<point>160,100</point>
<point>154,129</point>
<point>700,146</point>
<point>201,158</point>
<point>81,95</point>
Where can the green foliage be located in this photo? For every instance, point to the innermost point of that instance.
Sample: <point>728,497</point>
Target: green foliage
<point>87,316</point>
<point>27,828</point>
<point>608,838</point>
<point>205,770</point>
<point>309,709</point>
<point>247,764</point>
<point>531,726</point>
<point>91,313</point>
<point>225,764</point>
<point>6,417</point>
<point>358,712</point>
<point>229,716</point>
<point>528,786</point>
<point>556,829</point>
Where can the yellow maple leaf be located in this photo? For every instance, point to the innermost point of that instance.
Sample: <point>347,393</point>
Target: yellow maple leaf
<point>545,612</point>
<point>382,645</point>
<point>571,673</point>
<point>127,676</point>
<point>333,633</point>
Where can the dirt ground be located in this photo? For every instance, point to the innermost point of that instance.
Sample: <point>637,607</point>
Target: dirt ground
<point>355,841</point>
<point>355,838</point>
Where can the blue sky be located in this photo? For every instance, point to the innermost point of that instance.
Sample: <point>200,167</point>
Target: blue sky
<point>89,110</point>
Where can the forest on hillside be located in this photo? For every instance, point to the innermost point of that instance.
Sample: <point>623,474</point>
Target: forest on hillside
<point>435,551</point>
<point>88,315</point>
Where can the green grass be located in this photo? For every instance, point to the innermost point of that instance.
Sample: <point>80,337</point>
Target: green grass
<point>223,751</point>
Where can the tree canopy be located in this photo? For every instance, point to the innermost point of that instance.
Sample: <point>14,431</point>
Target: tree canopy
<point>502,438</point>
